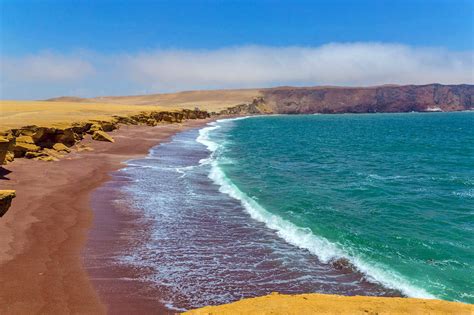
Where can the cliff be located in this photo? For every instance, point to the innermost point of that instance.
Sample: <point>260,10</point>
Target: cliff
<point>48,143</point>
<point>386,99</point>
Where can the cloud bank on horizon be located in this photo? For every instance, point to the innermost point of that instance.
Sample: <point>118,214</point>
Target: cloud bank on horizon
<point>83,73</point>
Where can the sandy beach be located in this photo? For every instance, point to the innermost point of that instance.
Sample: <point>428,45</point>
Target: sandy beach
<point>43,234</point>
<point>59,238</point>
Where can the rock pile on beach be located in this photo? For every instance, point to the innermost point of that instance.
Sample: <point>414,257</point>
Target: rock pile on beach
<point>51,143</point>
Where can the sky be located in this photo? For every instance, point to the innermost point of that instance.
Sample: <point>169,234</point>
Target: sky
<point>92,48</point>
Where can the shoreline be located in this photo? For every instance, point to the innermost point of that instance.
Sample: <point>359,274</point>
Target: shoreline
<point>50,249</point>
<point>42,242</point>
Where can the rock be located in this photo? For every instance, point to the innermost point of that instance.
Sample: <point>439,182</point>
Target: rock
<point>61,147</point>
<point>32,155</point>
<point>151,122</point>
<point>6,148</point>
<point>81,147</point>
<point>102,136</point>
<point>108,126</point>
<point>44,155</point>
<point>47,158</point>
<point>25,131</point>
<point>21,148</point>
<point>46,143</point>
<point>6,197</point>
<point>258,106</point>
<point>25,139</point>
<point>53,153</point>
<point>67,137</point>
<point>343,264</point>
<point>44,137</point>
<point>94,128</point>
<point>9,157</point>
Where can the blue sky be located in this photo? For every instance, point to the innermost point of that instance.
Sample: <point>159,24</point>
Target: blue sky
<point>79,47</point>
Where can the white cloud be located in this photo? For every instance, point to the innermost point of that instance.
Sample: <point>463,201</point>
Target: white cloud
<point>337,64</point>
<point>234,67</point>
<point>46,66</point>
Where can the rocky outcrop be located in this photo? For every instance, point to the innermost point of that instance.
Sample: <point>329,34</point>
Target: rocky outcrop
<point>51,143</point>
<point>102,136</point>
<point>258,106</point>
<point>407,98</point>
<point>6,149</point>
<point>6,197</point>
<point>59,147</point>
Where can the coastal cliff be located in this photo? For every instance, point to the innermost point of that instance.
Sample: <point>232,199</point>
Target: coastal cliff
<point>48,143</point>
<point>378,99</point>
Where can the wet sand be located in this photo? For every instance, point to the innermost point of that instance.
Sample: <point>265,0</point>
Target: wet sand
<point>42,236</point>
<point>56,254</point>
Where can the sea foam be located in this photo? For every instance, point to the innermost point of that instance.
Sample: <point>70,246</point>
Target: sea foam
<point>300,237</point>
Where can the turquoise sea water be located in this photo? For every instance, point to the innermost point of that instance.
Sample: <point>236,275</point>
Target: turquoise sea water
<point>392,193</point>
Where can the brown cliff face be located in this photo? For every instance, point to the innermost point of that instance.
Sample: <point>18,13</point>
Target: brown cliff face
<point>407,98</point>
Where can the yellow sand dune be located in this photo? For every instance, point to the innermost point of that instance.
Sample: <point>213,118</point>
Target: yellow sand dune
<point>16,114</point>
<point>57,111</point>
<point>279,304</point>
<point>210,100</point>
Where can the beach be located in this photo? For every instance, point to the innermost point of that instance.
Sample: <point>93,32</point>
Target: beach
<point>44,232</point>
<point>133,226</point>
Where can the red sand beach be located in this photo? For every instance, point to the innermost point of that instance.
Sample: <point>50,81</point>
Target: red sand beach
<point>42,236</point>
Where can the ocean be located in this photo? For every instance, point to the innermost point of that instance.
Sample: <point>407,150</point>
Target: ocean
<point>366,204</point>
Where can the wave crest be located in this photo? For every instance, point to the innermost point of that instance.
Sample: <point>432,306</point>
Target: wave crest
<point>324,249</point>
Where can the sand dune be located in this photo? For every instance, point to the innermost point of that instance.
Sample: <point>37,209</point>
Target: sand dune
<point>210,100</point>
<point>16,114</point>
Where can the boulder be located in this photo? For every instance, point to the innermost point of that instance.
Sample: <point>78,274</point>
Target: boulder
<point>6,148</point>
<point>102,136</point>
<point>32,155</point>
<point>47,158</point>
<point>25,139</point>
<point>108,126</point>
<point>67,137</point>
<point>23,145</point>
<point>82,147</point>
<point>151,122</point>
<point>6,197</point>
<point>9,157</point>
<point>44,155</point>
<point>94,128</point>
<point>61,147</point>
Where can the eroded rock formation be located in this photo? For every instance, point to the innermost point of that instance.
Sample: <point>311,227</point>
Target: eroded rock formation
<point>51,143</point>
<point>258,106</point>
<point>6,197</point>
